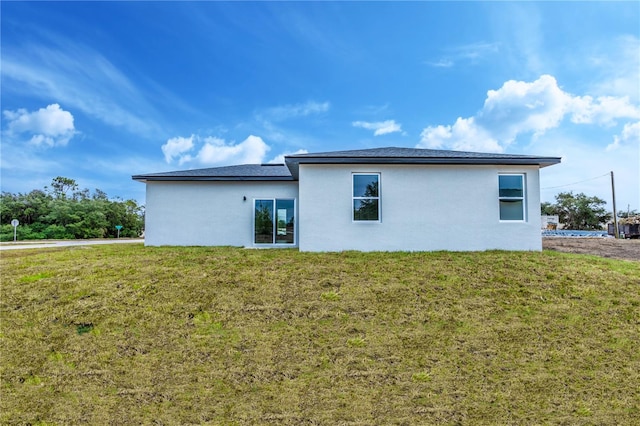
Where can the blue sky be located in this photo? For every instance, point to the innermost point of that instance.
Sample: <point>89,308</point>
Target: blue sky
<point>98,92</point>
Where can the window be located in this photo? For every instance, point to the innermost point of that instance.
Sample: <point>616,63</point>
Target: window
<point>366,197</point>
<point>511,197</point>
<point>273,221</point>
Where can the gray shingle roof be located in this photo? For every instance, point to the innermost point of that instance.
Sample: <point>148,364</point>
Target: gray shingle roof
<point>391,155</point>
<point>241,172</point>
<point>409,153</point>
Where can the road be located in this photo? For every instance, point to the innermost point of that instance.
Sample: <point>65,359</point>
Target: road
<point>67,243</point>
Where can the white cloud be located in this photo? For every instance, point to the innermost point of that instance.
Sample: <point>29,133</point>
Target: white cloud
<point>464,135</point>
<point>50,126</point>
<point>604,110</point>
<point>279,159</point>
<point>177,146</point>
<point>630,134</point>
<point>212,151</point>
<point>520,107</point>
<point>379,127</point>
<point>215,152</point>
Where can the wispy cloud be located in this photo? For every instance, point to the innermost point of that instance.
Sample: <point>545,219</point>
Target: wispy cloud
<point>580,162</point>
<point>79,77</point>
<point>287,112</point>
<point>442,63</point>
<point>630,136</point>
<point>379,127</point>
<point>468,53</point>
<point>289,124</point>
<point>373,110</point>
<point>474,50</point>
<point>617,62</point>
<point>312,31</point>
<point>519,27</point>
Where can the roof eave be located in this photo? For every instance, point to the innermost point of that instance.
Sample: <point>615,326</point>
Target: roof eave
<point>150,178</point>
<point>294,162</point>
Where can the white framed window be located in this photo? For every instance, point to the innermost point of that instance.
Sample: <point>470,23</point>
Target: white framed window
<point>511,197</point>
<point>274,221</point>
<point>366,197</point>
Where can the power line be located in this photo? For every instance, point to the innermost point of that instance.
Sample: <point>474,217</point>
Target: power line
<point>575,183</point>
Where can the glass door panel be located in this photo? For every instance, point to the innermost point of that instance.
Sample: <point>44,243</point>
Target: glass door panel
<point>263,222</point>
<point>285,222</point>
<point>274,222</point>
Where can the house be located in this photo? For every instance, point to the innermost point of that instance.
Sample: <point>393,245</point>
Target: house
<point>387,199</point>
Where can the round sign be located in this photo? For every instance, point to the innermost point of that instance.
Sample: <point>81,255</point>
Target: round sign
<point>15,222</point>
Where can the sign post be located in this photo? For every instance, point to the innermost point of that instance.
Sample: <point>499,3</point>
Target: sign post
<point>118,227</point>
<point>15,223</point>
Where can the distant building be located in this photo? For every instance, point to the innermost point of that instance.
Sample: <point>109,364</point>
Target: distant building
<point>550,222</point>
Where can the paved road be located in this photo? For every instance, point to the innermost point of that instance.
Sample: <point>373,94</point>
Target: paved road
<point>67,243</point>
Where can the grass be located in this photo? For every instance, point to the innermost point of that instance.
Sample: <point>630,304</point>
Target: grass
<point>122,334</point>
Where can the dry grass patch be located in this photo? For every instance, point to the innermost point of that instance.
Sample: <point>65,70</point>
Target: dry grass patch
<point>128,335</point>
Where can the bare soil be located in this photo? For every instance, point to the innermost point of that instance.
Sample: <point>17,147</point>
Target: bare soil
<point>604,247</point>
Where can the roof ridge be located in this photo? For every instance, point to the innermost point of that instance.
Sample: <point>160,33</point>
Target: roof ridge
<point>388,151</point>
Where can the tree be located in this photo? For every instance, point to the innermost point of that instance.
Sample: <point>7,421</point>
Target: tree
<point>65,211</point>
<point>61,185</point>
<point>27,208</point>
<point>547,208</point>
<point>628,213</point>
<point>579,212</point>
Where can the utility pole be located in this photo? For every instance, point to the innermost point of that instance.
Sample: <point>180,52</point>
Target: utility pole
<point>615,218</point>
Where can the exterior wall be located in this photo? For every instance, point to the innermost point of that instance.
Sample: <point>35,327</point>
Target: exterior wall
<point>206,213</point>
<point>423,207</point>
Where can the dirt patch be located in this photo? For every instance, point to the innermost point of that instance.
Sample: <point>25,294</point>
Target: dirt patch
<point>605,247</point>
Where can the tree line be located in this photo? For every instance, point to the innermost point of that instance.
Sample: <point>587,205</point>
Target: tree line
<point>581,212</point>
<point>63,211</point>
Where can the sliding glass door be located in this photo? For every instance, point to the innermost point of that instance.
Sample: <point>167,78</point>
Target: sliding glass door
<point>274,221</point>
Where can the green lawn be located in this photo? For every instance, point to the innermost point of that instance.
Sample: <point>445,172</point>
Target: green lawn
<point>123,334</point>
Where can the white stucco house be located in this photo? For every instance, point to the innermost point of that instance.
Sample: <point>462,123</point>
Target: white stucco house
<point>386,199</point>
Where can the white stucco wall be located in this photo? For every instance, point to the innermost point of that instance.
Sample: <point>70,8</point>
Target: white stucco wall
<point>423,207</point>
<point>206,213</point>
